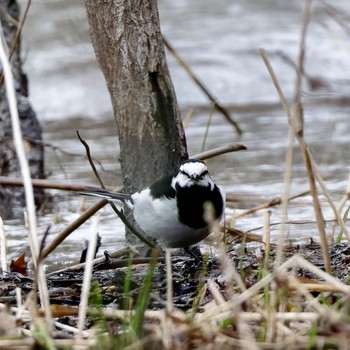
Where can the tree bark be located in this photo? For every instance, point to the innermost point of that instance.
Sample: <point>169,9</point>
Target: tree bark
<point>128,44</point>
<point>12,200</point>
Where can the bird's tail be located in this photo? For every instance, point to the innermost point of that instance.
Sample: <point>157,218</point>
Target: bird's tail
<point>102,193</point>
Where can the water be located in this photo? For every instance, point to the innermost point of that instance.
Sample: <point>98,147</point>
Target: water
<point>220,41</point>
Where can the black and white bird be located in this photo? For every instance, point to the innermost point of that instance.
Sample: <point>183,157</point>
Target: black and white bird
<point>173,209</point>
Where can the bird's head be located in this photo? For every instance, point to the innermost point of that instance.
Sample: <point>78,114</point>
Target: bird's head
<point>193,172</point>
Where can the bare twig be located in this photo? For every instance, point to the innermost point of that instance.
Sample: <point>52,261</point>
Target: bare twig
<point>88,154</point>
<point>119,255</point>
<point>47,184</point>
<point>337,15</point>
<point>273,202</point>
<point>17,35</point>
<point>315,82</point>
<point>241,235</point>
<point>73,226</point>
<point>103,264</point>
<point>233,147</point>
<point>219,107</point>
<point>120,214</point>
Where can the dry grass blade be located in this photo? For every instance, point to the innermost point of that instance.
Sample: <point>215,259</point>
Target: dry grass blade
<point>289,158</point>
<point>299,261</point>
<point>345,197</point>
<point>329,198</point>
<point>169,305</point>
<point>25,172</point>
<point>283,273</point>
<point>87,277</point>
<point>239,236</point>
<point>3,247</point>
<point>296,125</point>
<point>298,129</point>
<point>217,295</point>
<point>317,205</point>
<point>337,15</point>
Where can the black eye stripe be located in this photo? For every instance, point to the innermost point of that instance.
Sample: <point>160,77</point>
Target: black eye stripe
<point>201,176</point>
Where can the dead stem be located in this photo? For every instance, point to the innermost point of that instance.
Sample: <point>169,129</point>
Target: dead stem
<point>296,127</point>
<point>83,305</point>
<point>25,173</point>
<point>3,247</point>
<point>344,199</point>
<point>329,198</point>
<point>289,160</point>
<point>169,279</point>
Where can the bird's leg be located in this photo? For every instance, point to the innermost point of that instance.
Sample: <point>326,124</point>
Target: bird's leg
<point>195,252</point>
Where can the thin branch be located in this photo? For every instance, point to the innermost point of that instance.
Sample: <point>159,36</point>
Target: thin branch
<point>120,214</point>
<point>273,202</point>
<point>52,245</point>
<point>219,107</point>
<point>47,184</point>
<point>88,154</point>
<point>233,147</point>
<point>17,36</point>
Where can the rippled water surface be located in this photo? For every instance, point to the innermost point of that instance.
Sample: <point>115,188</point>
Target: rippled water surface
<point>220,41</point>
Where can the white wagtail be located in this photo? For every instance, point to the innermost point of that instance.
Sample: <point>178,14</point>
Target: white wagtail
<point>173,209</point>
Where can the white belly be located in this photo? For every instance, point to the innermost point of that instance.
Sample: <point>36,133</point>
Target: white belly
<point>158,219</point>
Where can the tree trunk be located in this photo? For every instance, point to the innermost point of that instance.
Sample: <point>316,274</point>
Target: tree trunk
<point>128,44</point>
<point>12,200</point>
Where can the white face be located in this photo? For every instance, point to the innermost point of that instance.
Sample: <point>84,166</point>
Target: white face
<point>193,173</point>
